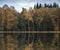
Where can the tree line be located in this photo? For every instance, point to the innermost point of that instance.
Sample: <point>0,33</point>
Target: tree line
<point>44,19</point>
<point>39,5</point>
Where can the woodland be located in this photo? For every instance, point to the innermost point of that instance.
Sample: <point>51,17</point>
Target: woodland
<point>39,18</point>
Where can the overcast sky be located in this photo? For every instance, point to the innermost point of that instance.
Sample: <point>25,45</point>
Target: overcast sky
<point>18,4</point>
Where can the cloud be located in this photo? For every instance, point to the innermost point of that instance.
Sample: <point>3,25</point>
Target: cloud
<point>26,5</point>
<point>18,6</point>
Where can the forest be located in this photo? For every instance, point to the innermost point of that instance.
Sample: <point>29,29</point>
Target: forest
<point>40,18</point>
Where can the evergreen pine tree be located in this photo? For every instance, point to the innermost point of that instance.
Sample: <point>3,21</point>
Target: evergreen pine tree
<point>40,5</point>
<point>37,6</point>
<point>50,5</point>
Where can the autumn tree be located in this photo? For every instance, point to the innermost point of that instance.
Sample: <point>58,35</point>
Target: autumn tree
<point>1,19</point>
<point>47,25</point>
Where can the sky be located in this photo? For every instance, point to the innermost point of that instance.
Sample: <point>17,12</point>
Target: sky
<point>19,4</point>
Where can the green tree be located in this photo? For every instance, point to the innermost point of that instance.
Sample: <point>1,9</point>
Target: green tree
<point>45,5</point>
<point>55,5</point>
<point>40,5</point>
<point>51,6</point>
<point>37,6</point>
